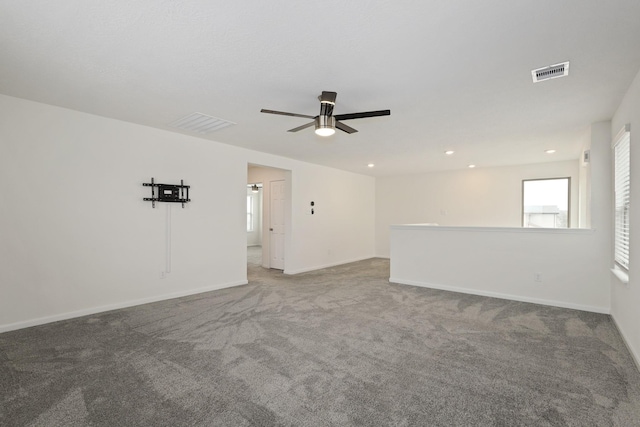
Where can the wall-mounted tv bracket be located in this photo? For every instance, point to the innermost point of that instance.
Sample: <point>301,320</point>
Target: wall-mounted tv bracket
<point>167,193</point>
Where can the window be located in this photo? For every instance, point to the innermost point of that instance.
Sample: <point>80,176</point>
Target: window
<point>545,203</point>
<point>249,213</point>
<point>622,181</point>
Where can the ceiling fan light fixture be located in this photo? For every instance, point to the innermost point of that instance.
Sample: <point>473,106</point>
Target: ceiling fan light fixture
<point>325,125</point>
<point>325,131</point>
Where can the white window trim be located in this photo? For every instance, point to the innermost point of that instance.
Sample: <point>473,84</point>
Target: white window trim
<point>622,276</point>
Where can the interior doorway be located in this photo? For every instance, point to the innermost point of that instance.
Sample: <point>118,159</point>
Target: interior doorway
<point>254,223</point>
<point>268,214</point>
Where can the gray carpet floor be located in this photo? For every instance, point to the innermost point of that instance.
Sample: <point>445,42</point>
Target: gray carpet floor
<point>340,346</point>
<point>254,256</point>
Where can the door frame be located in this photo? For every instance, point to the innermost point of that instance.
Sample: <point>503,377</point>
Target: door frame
<point>266,174</point>
<point>272,209</point>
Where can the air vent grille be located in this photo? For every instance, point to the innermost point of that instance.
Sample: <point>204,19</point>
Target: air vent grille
<point>550,72</point>
<point>200,123</point>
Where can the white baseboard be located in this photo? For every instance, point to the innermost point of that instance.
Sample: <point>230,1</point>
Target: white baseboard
<point>320,267</point>
<point>94,310</point>
<point>601,310</point>
<point>634,355</point>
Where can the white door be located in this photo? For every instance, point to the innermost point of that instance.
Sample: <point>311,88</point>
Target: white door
<point>276,228</point>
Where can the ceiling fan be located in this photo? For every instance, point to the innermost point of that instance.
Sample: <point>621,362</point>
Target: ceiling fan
<point>325,122</point>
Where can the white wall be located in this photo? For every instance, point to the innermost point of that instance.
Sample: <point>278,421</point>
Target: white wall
<point>503,263</point>
<point>625,298</point>
<point>342,227</point>
<point>584,185</point>
<point>482,197</point>
<point>77,238</point>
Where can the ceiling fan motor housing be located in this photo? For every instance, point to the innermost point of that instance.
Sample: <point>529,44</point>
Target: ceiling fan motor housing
<point>326,108</point>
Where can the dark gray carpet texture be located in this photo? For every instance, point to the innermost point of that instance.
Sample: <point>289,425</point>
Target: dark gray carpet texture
<point>336,347</point>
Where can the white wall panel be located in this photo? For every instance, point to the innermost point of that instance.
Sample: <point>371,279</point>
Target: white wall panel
<point>76,236</point>
<point>545,266</point>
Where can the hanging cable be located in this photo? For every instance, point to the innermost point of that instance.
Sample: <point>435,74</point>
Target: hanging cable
<point>168,238</point>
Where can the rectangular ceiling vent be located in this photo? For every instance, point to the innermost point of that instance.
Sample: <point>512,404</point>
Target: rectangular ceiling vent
<point>550,72</point>
<point>200,123</point>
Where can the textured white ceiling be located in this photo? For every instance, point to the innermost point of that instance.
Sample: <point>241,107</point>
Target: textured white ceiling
<point>455,74</point>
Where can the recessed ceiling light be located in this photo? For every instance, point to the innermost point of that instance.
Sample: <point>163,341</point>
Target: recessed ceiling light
<point>449,152</point>
<point>472,166</point>
<point>370,165</point>
<point>549,151</point>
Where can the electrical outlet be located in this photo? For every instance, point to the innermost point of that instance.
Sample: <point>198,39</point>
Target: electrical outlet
<point>537,277</point>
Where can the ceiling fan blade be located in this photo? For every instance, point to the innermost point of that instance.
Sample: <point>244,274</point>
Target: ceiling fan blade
<point>362,115</point>
<point>282,113</point>
<point>345,128</point>
<point>302,127</point>
<point>328,97</point>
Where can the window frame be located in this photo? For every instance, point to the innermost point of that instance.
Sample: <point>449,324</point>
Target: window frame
<point>568,178</point>
<point>621,198</point>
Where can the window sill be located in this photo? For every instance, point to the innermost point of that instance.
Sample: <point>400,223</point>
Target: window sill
<point>621,275</point>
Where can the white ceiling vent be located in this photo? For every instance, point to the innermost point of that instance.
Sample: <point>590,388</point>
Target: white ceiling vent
<point>550,72</point>
<point>200,123</point>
